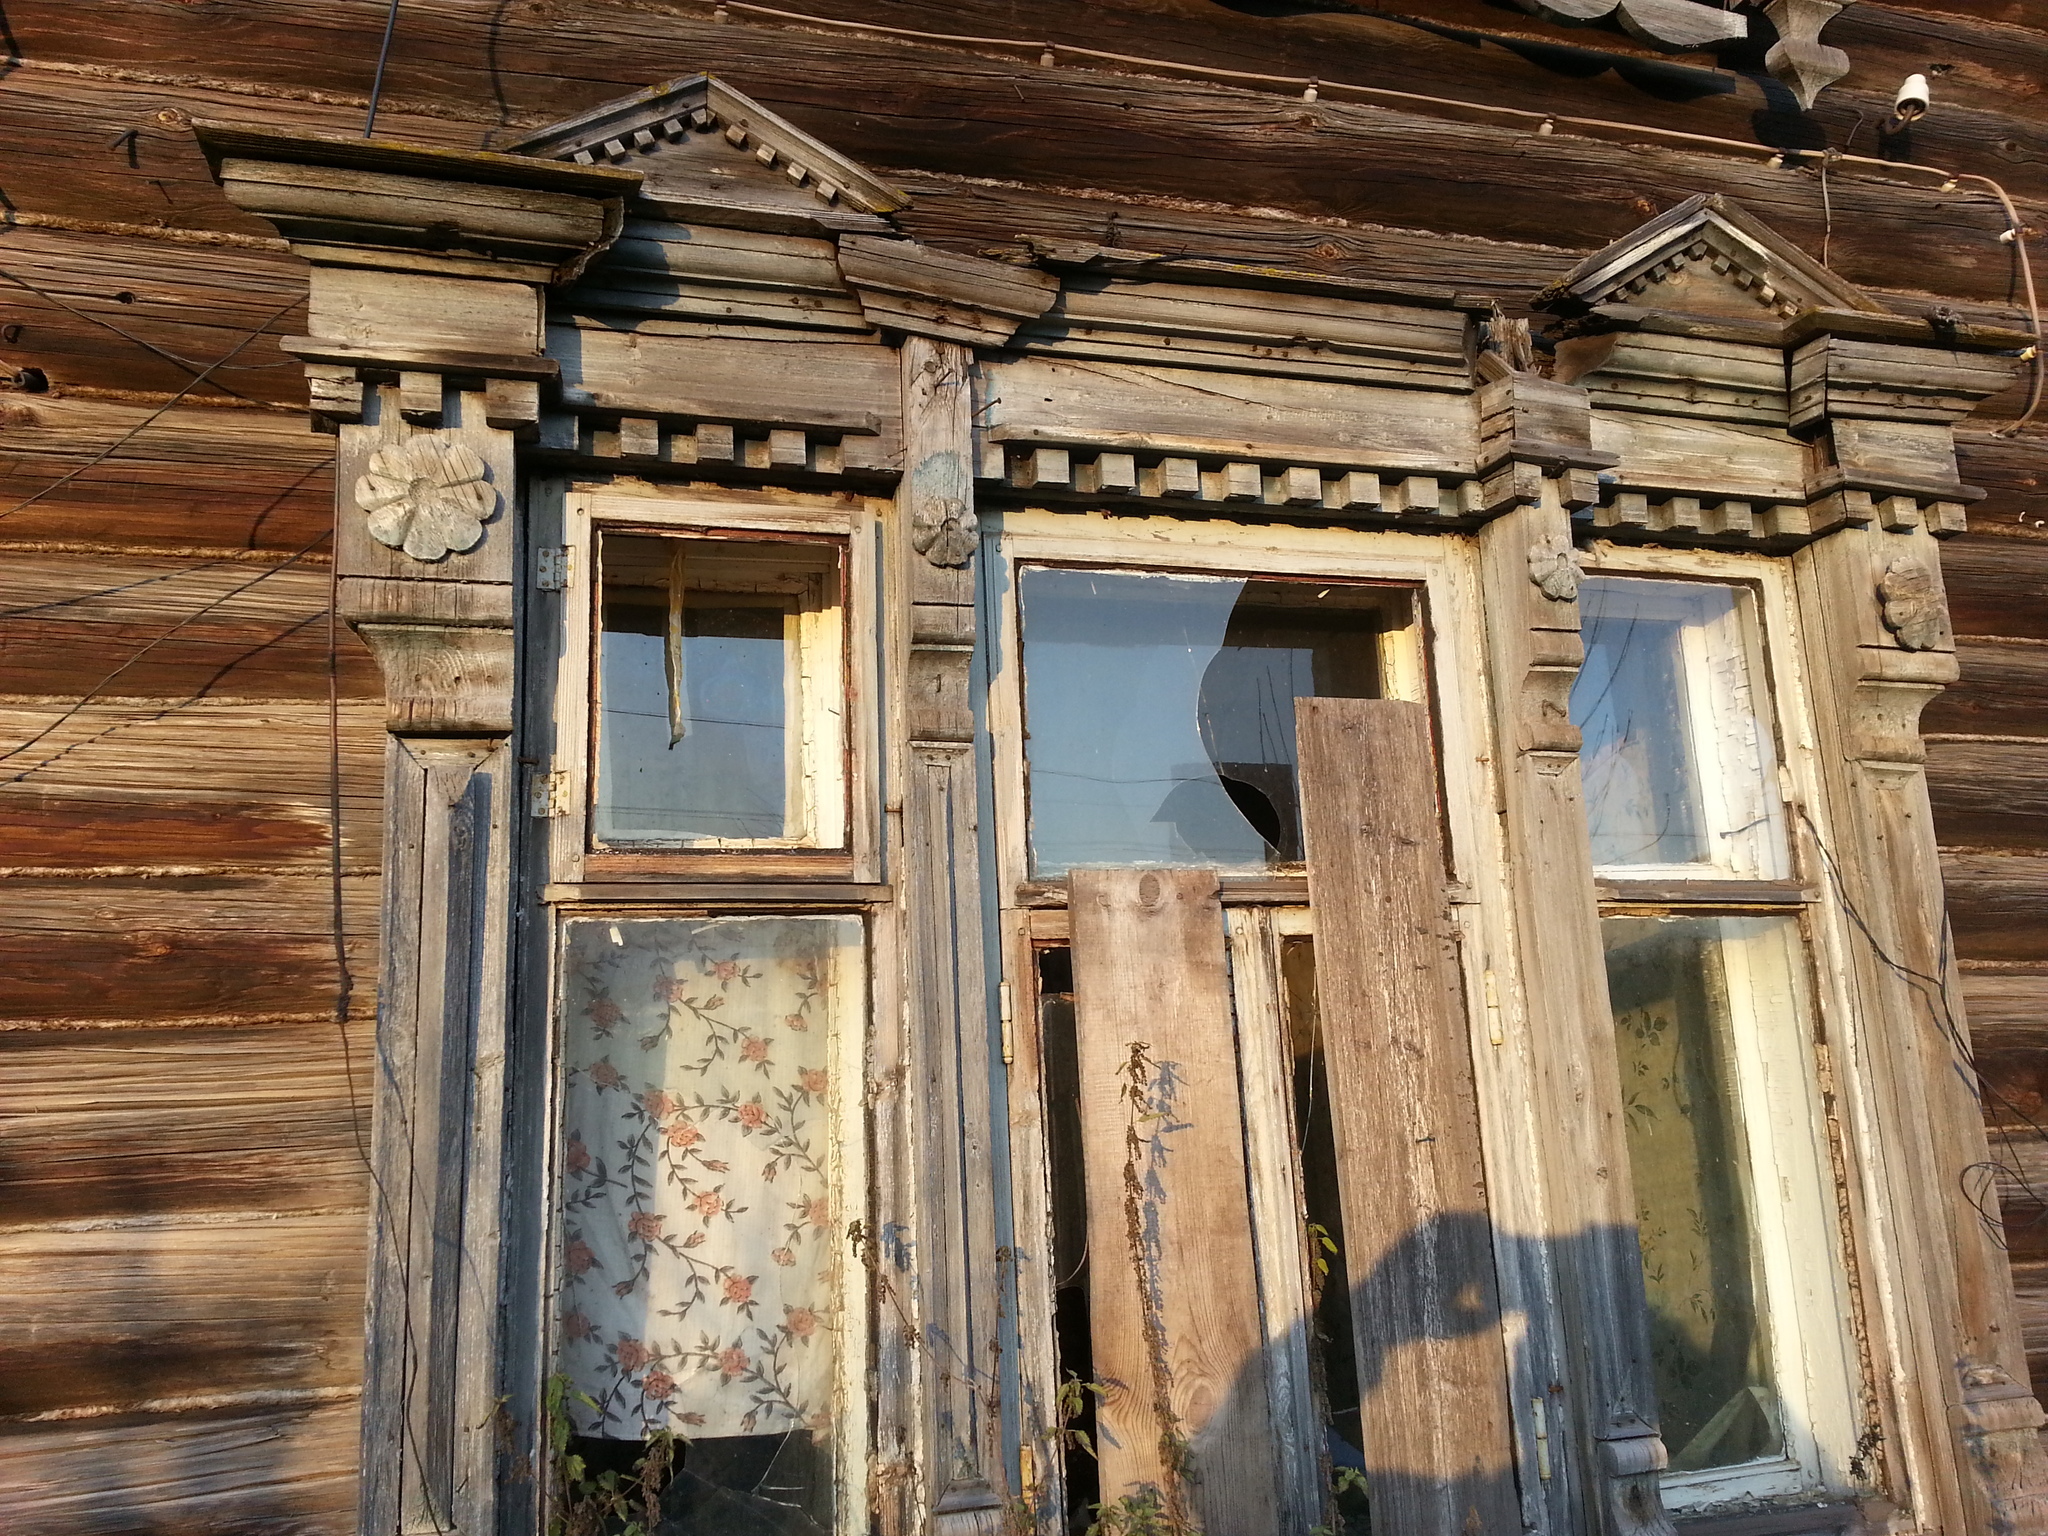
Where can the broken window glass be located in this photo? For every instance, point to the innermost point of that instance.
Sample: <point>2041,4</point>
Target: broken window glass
<point>719,693</point>
<point>1159,710</point>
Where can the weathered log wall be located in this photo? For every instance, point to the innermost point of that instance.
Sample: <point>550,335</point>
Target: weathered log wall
<point>182,1065</point>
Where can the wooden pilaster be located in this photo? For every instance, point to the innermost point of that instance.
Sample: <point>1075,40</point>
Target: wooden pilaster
<point>445,646</point>
<point>956,1292</point>
<point>1532,623</point>
<point>1966,1454</point>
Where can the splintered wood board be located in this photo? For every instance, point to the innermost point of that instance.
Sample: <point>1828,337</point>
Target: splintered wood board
<point>1149,971</point>
<point>1418,1241</point>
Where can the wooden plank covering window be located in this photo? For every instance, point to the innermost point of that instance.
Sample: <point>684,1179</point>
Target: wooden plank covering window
<point>1419,1246</point>
<point>1173,1288</point>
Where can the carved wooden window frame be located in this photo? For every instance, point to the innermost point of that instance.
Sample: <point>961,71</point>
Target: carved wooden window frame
<point>559,623</point>
<point>853,523</point>
<point>1449,676</point>
<point>1822,1382</point>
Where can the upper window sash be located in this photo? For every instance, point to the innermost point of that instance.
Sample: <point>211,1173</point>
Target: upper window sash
<point>1680,761</point>
<point>722,736</point>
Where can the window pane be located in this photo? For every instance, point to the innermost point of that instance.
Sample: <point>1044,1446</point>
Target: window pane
<point>1678,760</point>
<point>701,1201</point>
<point>699,731</point>
<point>1160,710</point>
<point>1683,990</point>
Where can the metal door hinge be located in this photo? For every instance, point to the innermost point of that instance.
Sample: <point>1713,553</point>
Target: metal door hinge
<point>551,568</point>
<point>550,795</point>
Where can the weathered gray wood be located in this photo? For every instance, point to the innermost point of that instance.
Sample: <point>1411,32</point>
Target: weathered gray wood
<point>1123,406</point>
<point>1173,1298</point>
<point>1419,1245</point>
<point>1958,1331</point>
<point>960,1295</point>
<point>910,288</point>
<point>1534,652</point>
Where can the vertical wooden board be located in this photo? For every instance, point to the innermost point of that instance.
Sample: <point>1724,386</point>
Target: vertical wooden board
<point>1431,1365</point>
<point>1173,1286</point>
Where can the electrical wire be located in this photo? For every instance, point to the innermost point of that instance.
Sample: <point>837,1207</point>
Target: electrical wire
<point>1312,88</point>
<point>377,84</point>
<point>136,430</point>
<point>2016,232</point>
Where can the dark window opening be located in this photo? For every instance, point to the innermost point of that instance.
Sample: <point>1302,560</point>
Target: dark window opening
<point>735,1485</point>
<point>1332,1346</point>
<point>1061,1067</point>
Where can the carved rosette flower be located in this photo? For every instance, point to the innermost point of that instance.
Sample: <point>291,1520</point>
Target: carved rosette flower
<point>428,496</point>
<point>944,529</point>
<point>1912,604</point>
<point>1556,568</point>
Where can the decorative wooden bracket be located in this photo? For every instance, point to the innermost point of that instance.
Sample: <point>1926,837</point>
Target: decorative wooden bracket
<point>914,290</point>
<point>1799,58</point>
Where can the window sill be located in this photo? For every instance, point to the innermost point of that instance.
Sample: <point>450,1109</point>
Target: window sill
<point>1814,1520</point>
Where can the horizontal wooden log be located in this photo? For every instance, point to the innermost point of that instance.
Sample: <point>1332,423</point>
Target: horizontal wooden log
<point>1459,48</point>
<point>2003,691</point>
<point>99,311</point>
<point>1995,902</point>
<point>1990,795</point>
<point>119,949</point>
<point>67,121</point>
<point>72,832</point>
<point>286,1470</point>
<point>2008,1011</point>
<point>168,771</point>
<point>102,473</point>
<point>2030,1288</point>
<point>120,1315</point>
<point>2015,510</point>
<point>1997,586</point>
<point>171,628</point>
<point>140,1122</point>
<point>157,974</point>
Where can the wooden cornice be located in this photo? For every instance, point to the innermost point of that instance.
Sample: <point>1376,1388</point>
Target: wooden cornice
<point>372,202</point>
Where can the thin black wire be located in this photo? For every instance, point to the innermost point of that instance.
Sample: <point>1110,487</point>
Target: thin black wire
<point>377,85</point>
<point>1935,991</point>
<point>100,686</point>
<point>168,356</point>
<point>136,430</point>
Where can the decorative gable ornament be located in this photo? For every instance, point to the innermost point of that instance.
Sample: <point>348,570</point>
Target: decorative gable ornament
<point>698,140</point>
<point>1675,26</point>
<point>1798,57</point>
<point>1708,255</point>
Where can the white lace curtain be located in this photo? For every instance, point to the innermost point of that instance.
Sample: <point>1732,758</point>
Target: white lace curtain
<point>703,1236</point>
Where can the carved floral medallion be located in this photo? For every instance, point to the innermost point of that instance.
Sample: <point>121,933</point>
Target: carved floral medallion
<point>428,496</point>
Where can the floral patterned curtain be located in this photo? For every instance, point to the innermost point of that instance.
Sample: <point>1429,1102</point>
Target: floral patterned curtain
<point>702,1220</point>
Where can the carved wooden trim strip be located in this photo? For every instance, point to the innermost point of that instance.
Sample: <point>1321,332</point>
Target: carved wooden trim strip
<point>711,445</point>
<point>1772,526</point>
<point>1298,489</point>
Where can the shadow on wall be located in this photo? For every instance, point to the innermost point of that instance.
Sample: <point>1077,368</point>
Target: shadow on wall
<point>1400,1307</point>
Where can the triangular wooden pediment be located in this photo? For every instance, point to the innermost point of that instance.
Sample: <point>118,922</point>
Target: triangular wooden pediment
<point>1707,256</point>
<point>697,140</point>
